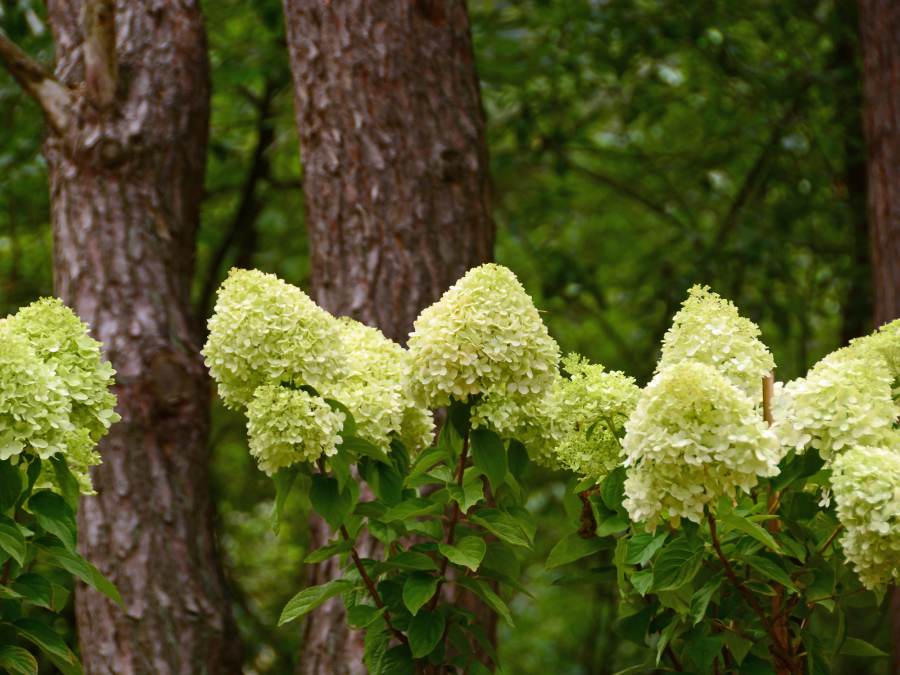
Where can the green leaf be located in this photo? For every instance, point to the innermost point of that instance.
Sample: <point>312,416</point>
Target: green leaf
<point>612,525</point>
<point>503,525</point>
<point>11,540</point>
<point>771,570</point>
<point>10,485</point>
<point>425,632</point>
<point>665,637</point>
<point>468,552</point>
<point>612,490</point>
<point>309,598</point>
<point>426,461</point>
<point>35,588</point>
<point>410,508</point>
<point>284,481</point>
<point>572,547</point>
<point>518,458</point>
<point>732,521</point>
<point>700,599</point>
<point>642,547</point>
<point>333,504</point>
<point>55,516</point>
<point>18,661</point>
<point>81,568</point>
<point>857,647</point>
<point>642,581</point>
<point>395,661</point>
<point>486,593</point>
<point>47,639</point>
<point>418,589</point>
<point>68,484</point>
<point>489,455</point>
<point>364,448</point>
<point>676,565</point>
<point>412,560</point>
<point>325,552</point>
<point>362,616</point>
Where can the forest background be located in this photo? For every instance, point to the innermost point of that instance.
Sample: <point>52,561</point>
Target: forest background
<point>636,148</point>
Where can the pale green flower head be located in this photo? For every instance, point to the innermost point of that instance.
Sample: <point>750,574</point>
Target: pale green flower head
<point>35,409</point>
<point>592,406</point>
<point>866,485</point>
<point>288,426</point>
<point>375,389</point>
<point>693,438</point>
<point>61,339</point>
<point>265,331</point>
<point>843,402</point>
<point>709,329</point>
<point>886,342</point>
<point>531,420</point>
<point>484,336</point>
<point>80,454</point>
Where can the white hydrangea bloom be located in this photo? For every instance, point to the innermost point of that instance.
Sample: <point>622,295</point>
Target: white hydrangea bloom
<point>709,329</point>
<point>592,407</point>
<point>866,484</point>
<point>531,420</point>
<point>886,342</point>
<point>693,438</point>
<point>375,389</point>
<point>483,337</point>
<point>843,402</point>
<point>34,408</point>
<point>61,339</point>
<point>266,331</point>
<point>287,426</point>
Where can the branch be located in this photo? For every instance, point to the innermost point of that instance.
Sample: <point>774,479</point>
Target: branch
<point>101,71</point>
<point>55,99</point>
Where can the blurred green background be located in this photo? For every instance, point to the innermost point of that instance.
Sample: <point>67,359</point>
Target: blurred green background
<point>637,148</point>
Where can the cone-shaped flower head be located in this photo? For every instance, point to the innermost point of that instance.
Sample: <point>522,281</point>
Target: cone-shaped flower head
<point>693,438</point>
<point>484,336</point>
<point>375,389</point>
<point>843,402</point>
<point>287,426</point>
<point>592,407</point>
<point>709,329</point>
<point>265,331</point>
<point>886,342</point>
<point>866,484</point>
<point>61,339</point>
<point>34,408</point>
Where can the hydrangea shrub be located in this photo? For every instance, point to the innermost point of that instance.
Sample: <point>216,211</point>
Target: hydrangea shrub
<point>55,405</point>
<point>739,514</point>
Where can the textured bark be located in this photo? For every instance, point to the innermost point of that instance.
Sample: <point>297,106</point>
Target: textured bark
<point>879,22</point>
<point>880,30</point>
<point>397,191</point>
<point>126,179</point>
<point>394,156</point>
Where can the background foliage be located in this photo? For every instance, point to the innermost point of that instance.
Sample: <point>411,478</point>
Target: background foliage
<point>637,148</point>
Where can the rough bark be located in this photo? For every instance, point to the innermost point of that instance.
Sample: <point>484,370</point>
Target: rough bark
<point>395,166</point>
<point>880,35</point>
<point>396,181</point>
<point>126,179</point>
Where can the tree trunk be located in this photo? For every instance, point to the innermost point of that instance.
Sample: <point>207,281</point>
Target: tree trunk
<point>880,32</point>
<point>126,180</point>
<point>397,188</point>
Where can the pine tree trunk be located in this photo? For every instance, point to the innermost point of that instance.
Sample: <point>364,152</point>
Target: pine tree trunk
<point>126,180</point>
<point>880,34</point>
<point>396,181</point>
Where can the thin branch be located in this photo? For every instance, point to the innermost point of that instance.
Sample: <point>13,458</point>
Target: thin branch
<point>55,99</point>
<point>101,70</point>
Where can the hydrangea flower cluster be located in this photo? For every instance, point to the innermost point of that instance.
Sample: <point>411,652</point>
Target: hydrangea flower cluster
<point>266,331</point>
<point>709,329</point>
<point>693,438</point>
<point>54,389</point>
<point>483,337</point>
<point>843,402</point>
<point>866,484</point>
<point>286,426</point>
<point>374,389</point>
<point>592,406</point>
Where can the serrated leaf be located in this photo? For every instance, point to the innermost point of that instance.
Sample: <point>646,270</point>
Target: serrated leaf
<point>309,598</point>
<point>489,455</point>
<point>572,547</point>
<point>81,568</point>
<point>676,565</point>
<point>418,589</point>
<point>18,661</point>
<point>733,521</point>
<point>468,552</point>
<point>425,632</point>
